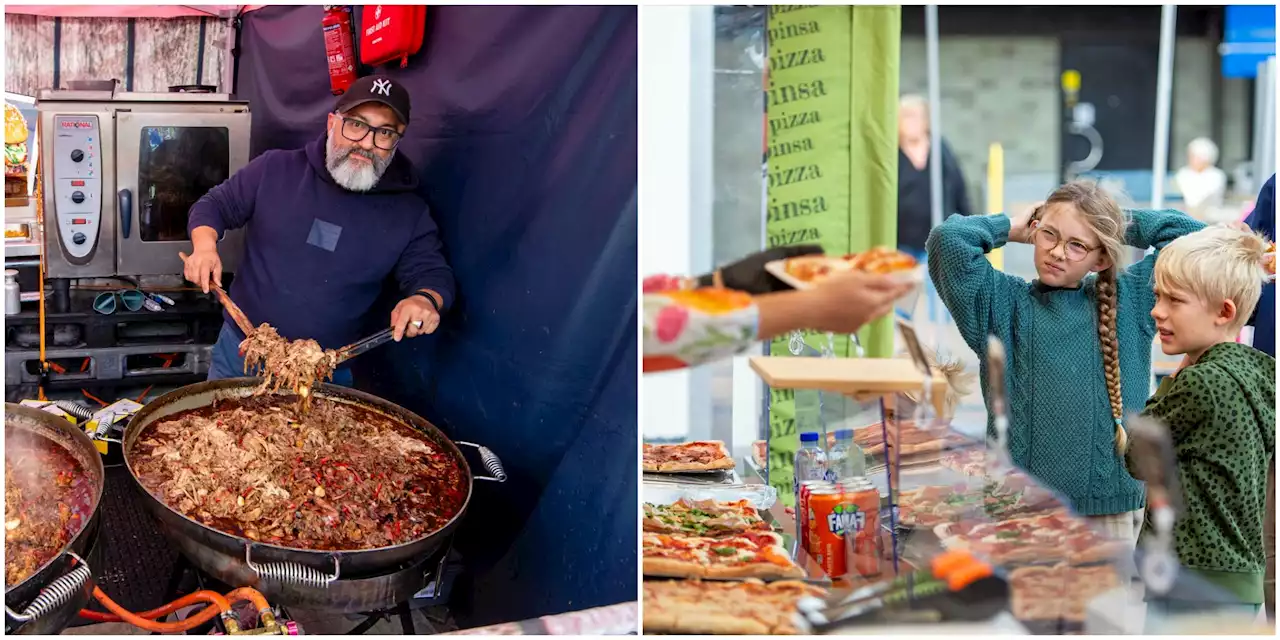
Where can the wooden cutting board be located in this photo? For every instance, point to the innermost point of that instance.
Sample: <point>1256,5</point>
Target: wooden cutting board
<point>849,376</point>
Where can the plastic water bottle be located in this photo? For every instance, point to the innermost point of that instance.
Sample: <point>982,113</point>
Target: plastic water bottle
<point>811,462</point>
<point>846,459</point>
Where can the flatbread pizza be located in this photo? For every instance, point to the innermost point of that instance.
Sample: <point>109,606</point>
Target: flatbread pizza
<point>707,518</point>
<point>750,607</point>
<point>1058,592</point>
<point>880,260</point>
<point>1010,497</point>
<point>746,555</point>
<point>1035,539</point>
<point>702,455</point>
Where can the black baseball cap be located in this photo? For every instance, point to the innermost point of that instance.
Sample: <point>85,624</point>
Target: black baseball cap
<point>376,89</point>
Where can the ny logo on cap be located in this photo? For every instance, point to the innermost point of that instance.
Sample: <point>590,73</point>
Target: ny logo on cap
<point>381,86</point>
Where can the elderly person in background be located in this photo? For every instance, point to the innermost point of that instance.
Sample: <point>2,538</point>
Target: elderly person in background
<point>1203,186</point>
<point>914,189</point>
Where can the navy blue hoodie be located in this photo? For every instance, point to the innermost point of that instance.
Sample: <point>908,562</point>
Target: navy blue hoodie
<point>316,254</point>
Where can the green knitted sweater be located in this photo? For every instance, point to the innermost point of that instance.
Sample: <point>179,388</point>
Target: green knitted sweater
<point>1221,414</point>
<point>1060,425</point>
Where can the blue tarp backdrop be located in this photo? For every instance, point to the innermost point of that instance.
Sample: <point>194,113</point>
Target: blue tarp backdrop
<point>524,135</point>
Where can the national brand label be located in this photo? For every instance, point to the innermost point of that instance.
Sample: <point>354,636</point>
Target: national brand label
<point>846,518</point>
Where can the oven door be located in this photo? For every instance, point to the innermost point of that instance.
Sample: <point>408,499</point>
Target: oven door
<point>165,162</point>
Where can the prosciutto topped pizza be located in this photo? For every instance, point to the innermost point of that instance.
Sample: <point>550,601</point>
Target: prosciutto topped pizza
<point>704,455</point>
<point>746,555</point>
<point>1012,496</point>
<point>1035,539</point>
<point>703,518</point>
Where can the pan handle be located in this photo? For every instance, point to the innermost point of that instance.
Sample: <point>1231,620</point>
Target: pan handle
<point>491,463</point>
<point>291,572</point>
<point>56,594</point>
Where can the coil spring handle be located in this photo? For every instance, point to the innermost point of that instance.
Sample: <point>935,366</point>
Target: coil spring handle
<point>292,572</point>
<point>491,463</point>
<point>56,594</point>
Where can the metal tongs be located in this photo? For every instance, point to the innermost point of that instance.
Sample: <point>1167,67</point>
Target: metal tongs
<point>1155,463</point>
<point>999,407</point>
<point>950,574</point>
<point>368,344</point>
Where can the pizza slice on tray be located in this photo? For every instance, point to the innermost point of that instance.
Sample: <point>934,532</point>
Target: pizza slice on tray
<point>749,607</point>
<point>1010,497</point>
<point>1039,538</point>
<point>880,260</point>
<point>707,518</point>
<point>910,439</point>
<point>1058,592</point>
<point>702,455</point>
<point>747,555</point>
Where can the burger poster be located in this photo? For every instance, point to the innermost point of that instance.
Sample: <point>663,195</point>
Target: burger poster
<point>15,142</point>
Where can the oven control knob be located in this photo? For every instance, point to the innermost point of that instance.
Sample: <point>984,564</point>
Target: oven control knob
<point>77,155</point>
<point>78,238</point>
<point>77,196</point>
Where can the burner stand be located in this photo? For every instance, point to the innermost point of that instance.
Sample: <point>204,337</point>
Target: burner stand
<point>443,569</point>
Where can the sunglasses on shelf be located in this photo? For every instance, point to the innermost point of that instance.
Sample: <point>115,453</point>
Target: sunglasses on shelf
<point>132,299</point>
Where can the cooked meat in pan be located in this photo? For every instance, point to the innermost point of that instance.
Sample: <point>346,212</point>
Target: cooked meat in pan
<point>339,477</point>
<point>295,365</point>
<point>47,500</point>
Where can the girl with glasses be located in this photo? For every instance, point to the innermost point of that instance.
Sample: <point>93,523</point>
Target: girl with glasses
<point>1079,336</point>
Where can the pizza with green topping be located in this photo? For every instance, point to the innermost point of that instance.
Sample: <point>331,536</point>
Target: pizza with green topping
<point>708,518</point>
<point>1011,497</point>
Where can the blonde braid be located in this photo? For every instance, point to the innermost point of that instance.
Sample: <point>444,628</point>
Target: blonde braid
<point>1110,343</point>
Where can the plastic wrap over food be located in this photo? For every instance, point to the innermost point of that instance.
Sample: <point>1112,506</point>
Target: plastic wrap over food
<point>761,496</point>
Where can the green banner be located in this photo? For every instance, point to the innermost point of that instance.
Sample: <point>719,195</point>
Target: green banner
<point>831,133</point>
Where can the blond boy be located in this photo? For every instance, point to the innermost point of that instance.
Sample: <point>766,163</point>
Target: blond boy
<point>1220,411</point>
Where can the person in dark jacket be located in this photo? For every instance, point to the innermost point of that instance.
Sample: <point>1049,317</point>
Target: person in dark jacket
<point>326,225</point>
<point>1263,220</point>
<point>914,189</point>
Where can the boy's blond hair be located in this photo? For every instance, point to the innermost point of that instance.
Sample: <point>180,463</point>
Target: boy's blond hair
<point>1215,264</point>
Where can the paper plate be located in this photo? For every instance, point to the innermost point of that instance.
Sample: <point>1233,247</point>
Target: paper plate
<point>904,306</point>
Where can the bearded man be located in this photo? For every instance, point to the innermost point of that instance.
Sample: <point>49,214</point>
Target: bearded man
<point>326,225</point>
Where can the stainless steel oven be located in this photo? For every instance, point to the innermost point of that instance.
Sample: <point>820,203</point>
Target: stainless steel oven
<point>121,171</point>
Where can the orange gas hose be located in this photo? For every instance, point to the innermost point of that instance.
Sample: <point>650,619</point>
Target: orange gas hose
<point>40,283</point>
<point>146,619</point>
<point>160,612</point>
<point>220,605</point>
<point>250,594</point>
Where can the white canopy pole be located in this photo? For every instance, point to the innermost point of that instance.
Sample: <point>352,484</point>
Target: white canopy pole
<point>935,115</point>
<point>1164,99</point>
<point>935,130</point>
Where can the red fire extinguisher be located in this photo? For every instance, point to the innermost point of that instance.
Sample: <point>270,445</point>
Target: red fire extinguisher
<point>337,45</point>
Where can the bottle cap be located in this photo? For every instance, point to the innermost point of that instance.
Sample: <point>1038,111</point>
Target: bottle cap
<point>809,436</point>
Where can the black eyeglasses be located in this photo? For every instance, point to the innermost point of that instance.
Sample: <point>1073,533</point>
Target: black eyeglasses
<point>357,130</point>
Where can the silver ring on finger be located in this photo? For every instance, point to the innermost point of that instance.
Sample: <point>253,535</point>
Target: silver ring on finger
<point>417,324</point>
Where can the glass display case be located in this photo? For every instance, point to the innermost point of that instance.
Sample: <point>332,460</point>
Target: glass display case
<point>958,535</point>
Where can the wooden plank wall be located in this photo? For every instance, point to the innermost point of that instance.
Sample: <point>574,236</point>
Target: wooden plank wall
<point>165,52</point>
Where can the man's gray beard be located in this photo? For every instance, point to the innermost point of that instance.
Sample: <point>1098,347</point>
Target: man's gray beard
<point>352,176</point>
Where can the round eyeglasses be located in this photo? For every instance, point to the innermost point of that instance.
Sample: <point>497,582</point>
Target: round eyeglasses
<point>1049,239</point>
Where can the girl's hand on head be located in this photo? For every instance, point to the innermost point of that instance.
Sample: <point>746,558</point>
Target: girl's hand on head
<point>1020,227</point>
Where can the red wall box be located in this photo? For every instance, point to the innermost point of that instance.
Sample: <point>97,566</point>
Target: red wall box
<point>391,32</point>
